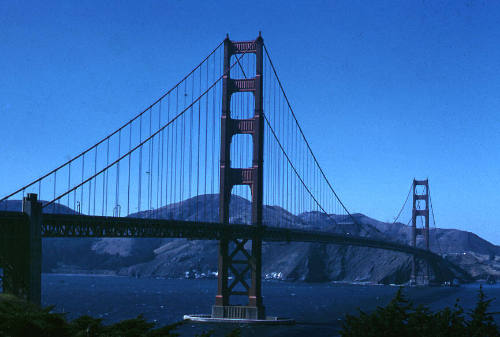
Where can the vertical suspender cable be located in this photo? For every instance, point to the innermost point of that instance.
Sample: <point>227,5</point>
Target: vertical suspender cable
<point>95,179</point>
<point>90,194</point>
<point>205,173</point>
<point>175,146</point>
<point>162,158</point>
<point>198,155</point>
<point>170,159</point>
<point>214,150</point>
<point>107,176</point>
<point>83,178</point>
<point>150,164</point>
<point>191,140</point>
<point>117,190</point>
<point>129,169</point>
<point>139,196</point>
<point>182,152</point>
<point>158,185</point>
<point>69,182</point>
<point>55,183</point>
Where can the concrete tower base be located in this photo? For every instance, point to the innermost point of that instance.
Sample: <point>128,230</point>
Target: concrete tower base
<point>201,318</point>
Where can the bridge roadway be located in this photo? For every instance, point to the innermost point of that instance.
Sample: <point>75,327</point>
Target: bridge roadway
<point>59,225</point>
<point>81,226</point>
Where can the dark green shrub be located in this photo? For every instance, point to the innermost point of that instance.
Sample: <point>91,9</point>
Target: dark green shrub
<point>19,318</point>
<point>481,324</point>
<point>401,318</point>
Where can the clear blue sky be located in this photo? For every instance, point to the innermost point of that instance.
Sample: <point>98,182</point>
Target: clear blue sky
<point>385,90</point>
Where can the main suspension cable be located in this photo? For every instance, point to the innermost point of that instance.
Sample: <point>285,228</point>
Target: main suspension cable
<point>287,157</point>
<point>404,204</point>
<point>116,131</point>
<point>146,140</point>
<point>304,137</point>
<point>434,222</point>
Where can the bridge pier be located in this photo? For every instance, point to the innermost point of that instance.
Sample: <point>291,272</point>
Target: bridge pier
<point>21,252</point>
<point>33,208</point>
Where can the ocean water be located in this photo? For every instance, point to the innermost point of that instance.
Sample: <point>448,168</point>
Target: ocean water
<point>317,308</point>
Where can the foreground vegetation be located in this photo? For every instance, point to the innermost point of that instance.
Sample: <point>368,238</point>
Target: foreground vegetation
<point>19,318</point>
<point>401,318</point>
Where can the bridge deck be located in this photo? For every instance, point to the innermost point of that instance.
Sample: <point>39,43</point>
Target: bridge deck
<point>59,225</point>
<point>81,226</point>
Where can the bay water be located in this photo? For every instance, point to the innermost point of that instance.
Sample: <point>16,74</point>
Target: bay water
<point>317,308</point>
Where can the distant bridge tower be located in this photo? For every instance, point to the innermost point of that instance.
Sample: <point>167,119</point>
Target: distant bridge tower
<point>419,211</point>
<point>233,256</point>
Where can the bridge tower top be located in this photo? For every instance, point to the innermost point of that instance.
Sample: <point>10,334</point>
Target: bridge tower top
<point>420,210</point>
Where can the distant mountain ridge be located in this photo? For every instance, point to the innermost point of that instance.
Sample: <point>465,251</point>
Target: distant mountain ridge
<point>312,262</point>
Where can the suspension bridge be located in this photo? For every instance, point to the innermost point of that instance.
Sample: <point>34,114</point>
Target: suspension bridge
<point>225,132</point>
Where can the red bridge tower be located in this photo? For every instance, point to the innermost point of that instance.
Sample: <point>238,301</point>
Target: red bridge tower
<point>418,211</point>
<point>233,256</point>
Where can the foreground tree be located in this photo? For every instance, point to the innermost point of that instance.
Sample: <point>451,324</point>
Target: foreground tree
<point>401,318</point>
<point>19,318</point>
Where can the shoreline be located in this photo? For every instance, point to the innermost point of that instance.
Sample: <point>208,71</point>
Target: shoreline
<point>114,274</point>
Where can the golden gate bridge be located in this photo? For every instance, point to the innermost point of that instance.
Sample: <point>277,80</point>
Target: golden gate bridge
<point>227,129</point>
